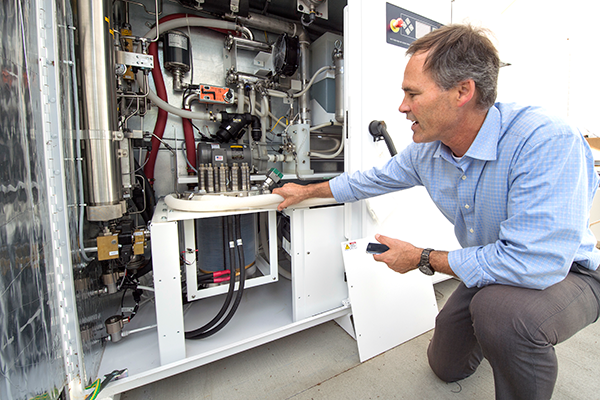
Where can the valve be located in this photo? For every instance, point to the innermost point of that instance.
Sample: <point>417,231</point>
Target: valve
<point>273,177</point>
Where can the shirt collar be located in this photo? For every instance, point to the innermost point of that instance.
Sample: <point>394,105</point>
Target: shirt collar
<point>485,145</point>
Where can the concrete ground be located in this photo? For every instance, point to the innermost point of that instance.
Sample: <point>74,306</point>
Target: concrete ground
<point>322,363</point>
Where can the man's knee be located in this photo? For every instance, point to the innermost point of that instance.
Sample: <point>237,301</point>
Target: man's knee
<point>452,370</point>
<point>447,372</point>
<point>446,363</point>
<point>501,322</point>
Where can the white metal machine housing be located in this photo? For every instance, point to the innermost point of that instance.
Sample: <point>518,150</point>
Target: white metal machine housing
<point>127,143</point>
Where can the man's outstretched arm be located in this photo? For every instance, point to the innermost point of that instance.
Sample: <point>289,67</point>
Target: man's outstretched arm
<point>294,194</point>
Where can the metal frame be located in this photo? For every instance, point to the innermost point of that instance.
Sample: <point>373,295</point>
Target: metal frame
<point>268,270</point>
<point>55,177</point>
<point>167,273</point>
<point>267,313</point>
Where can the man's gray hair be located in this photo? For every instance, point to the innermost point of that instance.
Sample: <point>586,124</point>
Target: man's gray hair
<point>460,52</point>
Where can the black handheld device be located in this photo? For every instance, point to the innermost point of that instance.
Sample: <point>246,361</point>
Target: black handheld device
<point>376,248</point>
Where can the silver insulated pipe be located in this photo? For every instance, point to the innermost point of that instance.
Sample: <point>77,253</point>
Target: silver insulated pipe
<point>99,119</point>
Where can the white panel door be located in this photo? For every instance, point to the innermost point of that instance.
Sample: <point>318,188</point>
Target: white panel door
<point>388,308</point>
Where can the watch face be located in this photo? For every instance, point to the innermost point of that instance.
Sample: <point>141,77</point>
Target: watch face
<point>426,269</point>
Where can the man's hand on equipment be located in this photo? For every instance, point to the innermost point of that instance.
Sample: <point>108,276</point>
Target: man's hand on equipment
<point>291,193</point>
<point>294,194</point>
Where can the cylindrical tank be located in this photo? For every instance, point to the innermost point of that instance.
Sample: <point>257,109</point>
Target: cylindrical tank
<point>300,136</point>
<point>209,238</point>
<point>99,118</point>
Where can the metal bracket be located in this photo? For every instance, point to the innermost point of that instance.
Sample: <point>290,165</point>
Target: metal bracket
<point>319,6</point>
<point>134,134</point>
<point>118,135</point>
<point>135,59</point>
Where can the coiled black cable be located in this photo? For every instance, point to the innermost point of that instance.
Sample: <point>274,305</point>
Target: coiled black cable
<point>234,229</point>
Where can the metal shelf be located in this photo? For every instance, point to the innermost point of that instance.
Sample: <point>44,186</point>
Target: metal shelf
<point>264,315</point>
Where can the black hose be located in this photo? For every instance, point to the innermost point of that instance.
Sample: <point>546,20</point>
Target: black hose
<point>227,235</point>
<point>148,193</point>
<point>240,254</point>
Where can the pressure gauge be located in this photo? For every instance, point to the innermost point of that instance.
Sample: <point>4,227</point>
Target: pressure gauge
<point>286,55</point>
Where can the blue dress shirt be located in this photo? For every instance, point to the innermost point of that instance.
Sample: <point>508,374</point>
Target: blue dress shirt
<point>519,199</point>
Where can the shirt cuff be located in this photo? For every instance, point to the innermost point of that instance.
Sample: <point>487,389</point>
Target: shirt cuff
<point>466,266</point>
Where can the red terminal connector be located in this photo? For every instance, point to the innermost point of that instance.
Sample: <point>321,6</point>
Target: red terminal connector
<point>221,273</point>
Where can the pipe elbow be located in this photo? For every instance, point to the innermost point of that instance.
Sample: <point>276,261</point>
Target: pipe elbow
<point>188,100</point>
<point>256,128</point>
<point>255,121</point>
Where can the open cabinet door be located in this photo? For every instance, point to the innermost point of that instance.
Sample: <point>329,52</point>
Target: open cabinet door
<point>374,63</point>
<point>388,308</point>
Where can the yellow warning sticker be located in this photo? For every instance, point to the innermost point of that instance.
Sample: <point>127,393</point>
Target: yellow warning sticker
<point>350,246</point>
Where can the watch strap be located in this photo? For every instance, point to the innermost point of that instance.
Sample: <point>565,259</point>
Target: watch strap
<point>424,264</point>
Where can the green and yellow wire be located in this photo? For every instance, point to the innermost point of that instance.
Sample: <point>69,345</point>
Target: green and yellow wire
<point>96,387</point>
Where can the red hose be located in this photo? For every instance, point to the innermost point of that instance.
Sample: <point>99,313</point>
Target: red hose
<point>161,120</point>
<point>190,143</point>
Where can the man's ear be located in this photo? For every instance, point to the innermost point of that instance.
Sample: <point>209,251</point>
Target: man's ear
<point>465,92</point>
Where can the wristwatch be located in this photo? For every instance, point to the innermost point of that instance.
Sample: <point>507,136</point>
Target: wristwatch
<point>424,265</point>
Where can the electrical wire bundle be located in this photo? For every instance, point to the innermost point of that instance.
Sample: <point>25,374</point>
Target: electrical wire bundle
<point>218,276</point>
<point>131,282</point>
<point>231,230</point>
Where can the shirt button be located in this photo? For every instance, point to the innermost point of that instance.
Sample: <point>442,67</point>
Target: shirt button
<point>467,206</point>
<point>463,177</point>
<point>471,230</point>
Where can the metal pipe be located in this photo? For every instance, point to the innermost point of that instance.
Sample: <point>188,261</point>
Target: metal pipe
<point>247,44</point>
<point>201,115</point>
<point>274,25</point>
<point>191,21</point>
<point>99,118</point>
<point>142,329</point>
<point>338,60</point>
<point>304,99</point>
<point>240,99</point>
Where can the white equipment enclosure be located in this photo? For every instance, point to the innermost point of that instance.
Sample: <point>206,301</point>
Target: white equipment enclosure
<point>142,141</point>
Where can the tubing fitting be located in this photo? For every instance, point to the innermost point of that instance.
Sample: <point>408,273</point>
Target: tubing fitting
<point>232,126</point>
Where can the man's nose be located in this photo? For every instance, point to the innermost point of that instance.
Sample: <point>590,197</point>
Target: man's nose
<point>404,108</point>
